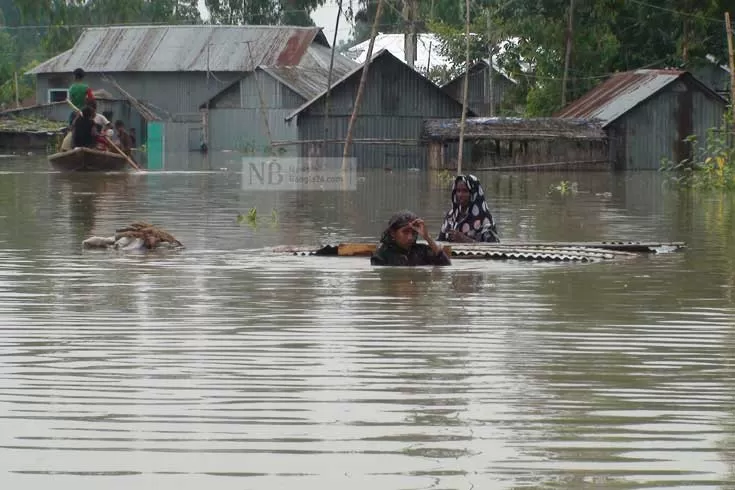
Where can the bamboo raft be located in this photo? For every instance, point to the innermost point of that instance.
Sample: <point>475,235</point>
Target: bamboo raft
<point>546,252</point>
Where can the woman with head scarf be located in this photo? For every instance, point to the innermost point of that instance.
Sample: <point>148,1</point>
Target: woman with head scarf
<point>398,244</point>
<point>469,220</point>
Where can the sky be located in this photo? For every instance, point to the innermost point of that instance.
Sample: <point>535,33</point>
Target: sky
<point>325,17</point>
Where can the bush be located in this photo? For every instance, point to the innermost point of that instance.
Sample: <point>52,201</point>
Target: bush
<point>712,165</point>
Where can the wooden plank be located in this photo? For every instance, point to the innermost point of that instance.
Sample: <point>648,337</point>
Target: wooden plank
<point>356,249</point>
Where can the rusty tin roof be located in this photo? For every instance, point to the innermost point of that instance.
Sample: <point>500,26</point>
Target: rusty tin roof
<point>184,48</point>
<point>619,94</point>
<point>310,77</point>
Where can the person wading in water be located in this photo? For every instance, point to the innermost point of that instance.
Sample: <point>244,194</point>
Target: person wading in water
<point>469,220</point>
<point>398,244</point>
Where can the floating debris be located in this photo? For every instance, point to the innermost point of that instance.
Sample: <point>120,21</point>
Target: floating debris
<point>137,236</point>
<point>546,252</point>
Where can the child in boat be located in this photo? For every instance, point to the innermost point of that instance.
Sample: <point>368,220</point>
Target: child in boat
<point>84,130</point>
<point>123,138</point>
<point>79,93</point>
<point>104,127</point>
<point>398,244</point>
<point>469,220</point>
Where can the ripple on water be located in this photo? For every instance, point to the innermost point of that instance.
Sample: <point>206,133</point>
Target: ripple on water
<point>225,365</point>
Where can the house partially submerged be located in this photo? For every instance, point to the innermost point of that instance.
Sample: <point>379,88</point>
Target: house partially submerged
<point>517,143</point>
<point>396,101</point>
<point>647,114</point>
<point>184,72</point>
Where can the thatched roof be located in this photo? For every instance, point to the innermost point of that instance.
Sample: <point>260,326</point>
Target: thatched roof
<point>513,128</point>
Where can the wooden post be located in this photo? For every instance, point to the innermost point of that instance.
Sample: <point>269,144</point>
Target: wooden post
<point>329,80</point>
<point>568,54</point>
<point>728,26</point>
<point>17,95</point>
<point>466,86</point>
<point>361,87</point>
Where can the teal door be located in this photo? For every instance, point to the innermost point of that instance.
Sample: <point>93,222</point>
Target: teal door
<point>155,145</point>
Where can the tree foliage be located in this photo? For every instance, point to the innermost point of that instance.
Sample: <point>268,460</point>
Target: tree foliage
<point>608,36</point>
<point>263,12</point>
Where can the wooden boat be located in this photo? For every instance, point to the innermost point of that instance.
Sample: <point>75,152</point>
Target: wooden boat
<point>88,160</point>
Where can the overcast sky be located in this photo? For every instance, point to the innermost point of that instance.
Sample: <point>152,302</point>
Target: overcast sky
<point>324,17</point>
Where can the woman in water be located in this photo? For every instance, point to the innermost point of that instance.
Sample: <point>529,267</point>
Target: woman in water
<point>469,220</point>
<point>398,244</point>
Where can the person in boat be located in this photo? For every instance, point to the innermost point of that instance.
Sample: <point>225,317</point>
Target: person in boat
<point>79,94</point>
<point>132,138</point>
<point>84,131</point>
<point>469,220</point>
<point>104,127</point>
<point>123,138</point>
<point>398,244</point>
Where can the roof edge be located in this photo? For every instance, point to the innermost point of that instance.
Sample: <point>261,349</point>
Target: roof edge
<point>358,69</point>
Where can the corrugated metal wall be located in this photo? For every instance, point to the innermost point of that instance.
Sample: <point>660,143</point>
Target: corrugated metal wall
<point>275,94</point>
<point>477,88</point>
<point>651,131</point>
<point>238,129</point>
<point>177,93</point>
<point>394,105</point>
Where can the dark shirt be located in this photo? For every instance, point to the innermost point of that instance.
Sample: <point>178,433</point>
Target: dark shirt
<point>84,132</point>
<point>419,254</point>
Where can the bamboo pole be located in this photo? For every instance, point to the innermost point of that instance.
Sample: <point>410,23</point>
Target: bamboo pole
<point>329,80</point>
<point>567,54</point>
<point>17,95</point>
<point>253,68</point>
<point>466,87</point>
<point>361,88</point>
<point>489,99</point>
<point>728,26</point>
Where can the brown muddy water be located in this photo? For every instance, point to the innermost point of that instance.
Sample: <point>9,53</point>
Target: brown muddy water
<point>224,366</point>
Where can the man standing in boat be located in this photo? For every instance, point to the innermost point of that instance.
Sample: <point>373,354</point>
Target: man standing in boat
<point>79,93</point>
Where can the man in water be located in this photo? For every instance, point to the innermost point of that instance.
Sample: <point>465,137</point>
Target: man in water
<point>398,244</point>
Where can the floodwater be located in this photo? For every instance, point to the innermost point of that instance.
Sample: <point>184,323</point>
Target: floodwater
<point>225,366</point>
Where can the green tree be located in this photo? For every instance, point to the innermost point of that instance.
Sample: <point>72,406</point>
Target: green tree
<point>262,12</point>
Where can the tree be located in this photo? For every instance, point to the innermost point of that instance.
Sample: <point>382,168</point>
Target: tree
<point>262,12</point>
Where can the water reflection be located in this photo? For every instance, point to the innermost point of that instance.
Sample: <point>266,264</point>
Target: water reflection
<point>224,365</point>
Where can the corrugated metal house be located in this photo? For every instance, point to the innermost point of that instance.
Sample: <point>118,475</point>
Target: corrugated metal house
<point>479,85</point>
<point>648,113</point>
<point>396,101</point>
<point>429,54</point>
<point>177,70</point>
<point>235,115</point>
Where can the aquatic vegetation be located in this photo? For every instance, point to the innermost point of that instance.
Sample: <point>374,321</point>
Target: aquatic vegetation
<point>250,148</point>
<point>712,162</point>
<point>444,177</point>
<point>564,188</point>
<point>251,218</point>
